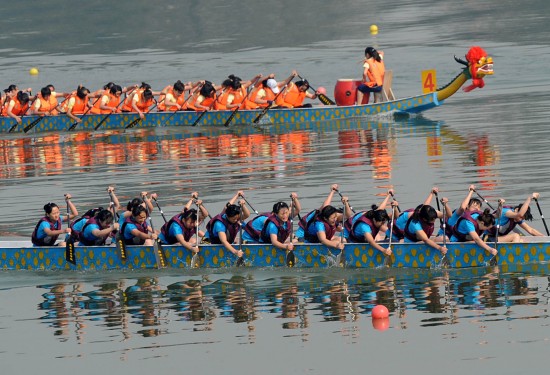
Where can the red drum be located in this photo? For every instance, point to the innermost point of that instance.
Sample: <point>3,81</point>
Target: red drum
<point>345,92</point>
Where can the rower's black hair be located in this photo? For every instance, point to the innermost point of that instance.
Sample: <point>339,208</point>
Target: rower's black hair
<point>279,206</point>
<point>93,212</point>
<point>232,210</point>
<point>528,215</point>
<point>207,89</point>
<point>264,82</point>
<point>108,86</point>
<point>145,86</point>
<point>23,97</point>
<point>235,82</point>
<point>10,88</point>
<point>425,213</point>
<point>45,91</point>
<point>51,87</point>
<point>327,212</point>
<point>179,86</point>
<point>487,218</point>
<point>302,82</point>
<point>115,88</point>
<point>378,215</point>
<point>105,216</point>
<point>137,210</point>
<point>133,203</point>
<point>48,207</point>
<point>82,91</point>
<point>189,213</point>
<point>147,94</point>
<point>227,83</point>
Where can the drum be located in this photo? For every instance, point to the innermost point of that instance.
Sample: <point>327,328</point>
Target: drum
<point>345,92</point>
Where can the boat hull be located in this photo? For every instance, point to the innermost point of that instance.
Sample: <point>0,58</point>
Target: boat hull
<point>218,118</point>
<point>460,255</point>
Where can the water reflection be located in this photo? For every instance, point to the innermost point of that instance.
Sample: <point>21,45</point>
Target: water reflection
<point>148,307</point>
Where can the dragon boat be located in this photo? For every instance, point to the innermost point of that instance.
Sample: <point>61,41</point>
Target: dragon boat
<point>21,255</point>
<point>476,66</point>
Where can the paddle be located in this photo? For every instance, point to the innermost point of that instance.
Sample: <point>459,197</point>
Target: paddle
<point>290,258</point>
<point>195,257</point>
<point>341,196</point>
<point>109,114</point>
<point>69,246</point>
<point>139,119</point>
<point>484,200</point>
<point>542,217</point>
<point>444,260</point>
<point>249,205</point>
<point>236,109</point>
<point>493,260</point>
<point>160,210</point>
<point>204,112</point>
<point>191,92</point>
<point>322,97</point>
<point>157,245</point>
<point>264,111</point>
<point>14,126</point>
<point>341,256</point>
<point>240,261</point>
<point>119,236</point>
<point>32,124</point>
<point>35,122</point>
<point>387,258</point>
<point>84,114</point>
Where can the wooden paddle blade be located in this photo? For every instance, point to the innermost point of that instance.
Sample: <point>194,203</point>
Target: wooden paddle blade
<point>493,261</point>
<point>290,259</point>
<point>32,124</point>
<point>133,123</point>
<point>325,99</point>
<point>387,261</point>
<point>74,124</point>
<point>199,118</point>
<point>69,251</point>
<point>159,254</point>
<point>13,127</point>
<point>240,262</point>
<point>195,261</point>
<point>121,246</point>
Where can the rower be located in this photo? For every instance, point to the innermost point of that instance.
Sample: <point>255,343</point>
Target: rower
<point>49,228</point>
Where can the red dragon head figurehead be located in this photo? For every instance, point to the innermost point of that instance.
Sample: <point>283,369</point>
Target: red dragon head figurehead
<point>479,65</point>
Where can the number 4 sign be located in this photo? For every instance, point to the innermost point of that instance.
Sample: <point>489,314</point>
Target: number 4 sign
<point>429,81</point>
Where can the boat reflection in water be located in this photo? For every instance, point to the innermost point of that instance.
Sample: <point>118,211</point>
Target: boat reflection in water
<point>158,305</point>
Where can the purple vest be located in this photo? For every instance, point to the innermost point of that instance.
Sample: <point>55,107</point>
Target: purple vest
<point>282,233</point>
<point>363,219</point>
<point>231,230</point>
<point>461,237</point>
<point>187,233</point>
<point>47,241</point>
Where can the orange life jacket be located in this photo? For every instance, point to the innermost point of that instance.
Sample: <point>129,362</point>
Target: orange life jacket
<point>293,97</point>
<point>79,106</point>
<point>17,109</point>
<point>221,103</point>
<point>206,102</point>
<point>376,71</point>
<point>143,106</point>
<point>48,105</point>
<point>179,100</point>
<point>113,102</point>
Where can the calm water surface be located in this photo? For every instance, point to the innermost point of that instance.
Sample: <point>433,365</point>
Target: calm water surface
<point>279,321</point>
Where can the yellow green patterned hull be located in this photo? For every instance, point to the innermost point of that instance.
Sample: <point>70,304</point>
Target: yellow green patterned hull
<point>460,255</point>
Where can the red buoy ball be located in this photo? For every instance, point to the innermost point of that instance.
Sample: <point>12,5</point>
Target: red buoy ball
<point>380,312</point>
<point>381,324</point>
<point>321,90</point>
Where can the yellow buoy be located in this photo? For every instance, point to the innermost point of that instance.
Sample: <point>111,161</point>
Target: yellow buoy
<point>33,71</point>
<point>373,29</point>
